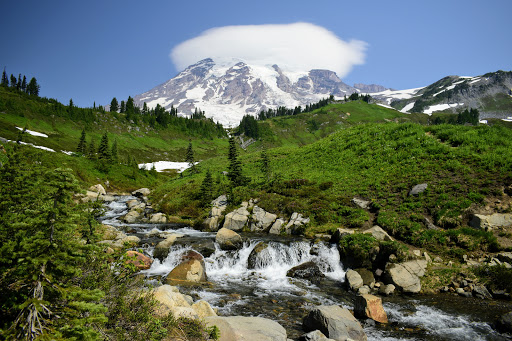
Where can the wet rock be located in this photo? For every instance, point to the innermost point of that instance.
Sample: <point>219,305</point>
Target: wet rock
<point>339,234</point>
<point>370,306</point>
<point>363,290</point>
<point>418,189</point>
<point>154,233</point>
<point>504,323</point>
<point>141,262</point>
<point>99,189</point>
<point>257,256</point>
<point>158,218</point>
<point>489,222</point>
<point>277,226</point>
<point>334,322</point>
<point>228,239</point>
<point>203,309</point>
<point>463,293</point>
<point>353,279</point>
<point>308,270</point>
<point>379,233</point>
<point>131,217</point>
<point>387,290</point>
<point>141,192</point>
<point>481,292</point>
<point>241,328</point>
<point>191,254</point>
<point>315,335</point>
<point>129,241</point>
<point>190,272</point>
<point>297,224</point>
<point>367,276</point>
<point>132,203</point>
<point>406,275</point>
<point>237,219</point>
<point>162,248</point>
<point>219,205</point>
<point>261,219</point>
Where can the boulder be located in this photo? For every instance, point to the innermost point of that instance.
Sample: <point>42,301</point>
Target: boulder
<point>367,276</point>
<point>489,222</point>
<point>379,233</point>
<point>315,335</point>
<point>504,323</point>
<point>364,204</point>
<point>203,309</point>
<point>129,241</point>
<point>241,328</point>
<point>190,272</point>
<point>308,270</point>
<point>261,219</point>
<point>162,248</point>
<point>218,207</point>
<point>132,203</point>
<point>363,290</point>
<point>339,234</point>
<point>191,254</point>
<point>170,300</point>
<point>296,224</point>
<point>99,189</point>
<point>387,290</point>
<point>405,276</point>
<point>141,192</point>
<point>418,189</point>
<point>334,322</point>
<point>505,257</point>
<point>354,280</point>
<point>108,232</point>
<point>228,239</point>
<point>369,306</point>
<point>257,256</point>
<point>237,219</point>
<point>211,223</point>
<point>141,262</point>
<point>277,226</point>
<point>481,292</point>
<point>131,217</point>
<point>158,218</point>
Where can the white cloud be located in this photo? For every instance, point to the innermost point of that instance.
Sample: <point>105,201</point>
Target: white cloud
<point>294,47</point>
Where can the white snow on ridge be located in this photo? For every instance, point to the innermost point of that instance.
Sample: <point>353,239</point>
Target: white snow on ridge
<point>440,107</point>
<point>407,108</point>
<point>163,165</point>
<point>397,94</point>
<point>33,133</point>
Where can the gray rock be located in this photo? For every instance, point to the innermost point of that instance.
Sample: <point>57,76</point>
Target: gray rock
<point>258,256</point>
<point>241,328</point>
<point>339,234</point>
<point>296,224</point>
<point>162,248</point>
<point>489,222</point>
<point>504,324</point>
<point>364,290</point>
<point>131,217</point>
<point>334,322</point>
<point>315,335</point>
<point>228,239</point>
<point>219,205</point>
<point>141,192</point>
<point>505,257</point>
<point>406,275</point>
<point>481,292</point>
<point>308,270</point>
<point>364,204</point>
<point>354,279</point>
<point>416,190</point>
<point>387,290</point>
<point>158,218</point>
<point>261,219</point>
<point>379,234</point>
<point>277,226</point>
<point>98,189</point>
<point>237,219</point>
<point>367,276</point>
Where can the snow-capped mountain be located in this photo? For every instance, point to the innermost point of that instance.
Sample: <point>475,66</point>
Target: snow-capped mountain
<point>229,90</point>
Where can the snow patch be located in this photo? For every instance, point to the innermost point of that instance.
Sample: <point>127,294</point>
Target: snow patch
<point>508,119</point>
<point>33,133</point>
<point>482,121</point>
<point>440,107</point>
<point>160,166</point>
<point>408,107</point>
<point>397,94</point>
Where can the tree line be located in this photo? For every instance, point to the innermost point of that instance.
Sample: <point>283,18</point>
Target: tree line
<point>20,84</point>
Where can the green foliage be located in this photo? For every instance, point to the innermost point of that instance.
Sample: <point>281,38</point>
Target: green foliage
<point>206,191</point>
<point>249,127</point>
<point>82,145</point>
<point>496,277</point>
<point>234,167</point>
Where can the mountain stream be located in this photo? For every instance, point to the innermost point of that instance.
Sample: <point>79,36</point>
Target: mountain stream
<point>266,291</point>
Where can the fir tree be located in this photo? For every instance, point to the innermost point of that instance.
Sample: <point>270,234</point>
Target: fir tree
<point>13,81</point>
<point>103,149</point>
<point>5,80</point>
<point>24,84</point>
<point>265,165</point>
<point>91,151</point>
<point>206,190</point>
<point>114,106</point>
<point>190,158</point>
<point>18,83</point>
<point>234,167</point>
<point>33,87</point>
<point>113,153</point>
<point>82,147</point>
<point>122,108</point>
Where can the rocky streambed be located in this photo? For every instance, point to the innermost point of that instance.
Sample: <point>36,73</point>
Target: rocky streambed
<point>253,279</point>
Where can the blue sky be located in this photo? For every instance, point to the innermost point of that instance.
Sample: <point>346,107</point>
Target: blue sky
<point>95,50</point>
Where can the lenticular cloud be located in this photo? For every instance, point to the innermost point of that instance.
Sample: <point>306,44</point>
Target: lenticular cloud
<point>296,47</point>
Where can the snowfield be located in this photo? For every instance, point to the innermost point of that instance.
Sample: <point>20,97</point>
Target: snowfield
<point>440,107</point>
<point>160,166</point>
<point>33,133</point>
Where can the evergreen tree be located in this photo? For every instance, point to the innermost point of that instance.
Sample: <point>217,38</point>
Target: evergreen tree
<point>24,84</point>
<point>113,153</point>
<point>33,87</point>
<point>206,190</point>
<point>190,158</point>
<point>265,165</point>
<point>18,83</point>
<point>122,109</point>
<point>5,80</point>
<point>103,149</point>
<point>114,106</point>
<point>13,81</point>
<point>234,167</point>
<point>91,151</point>
<point>82,147</point>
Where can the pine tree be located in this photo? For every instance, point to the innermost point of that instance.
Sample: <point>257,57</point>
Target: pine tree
<point>234,167</point>
<point>33,87</point>
<point>206,190</point>
<point>122,108</point>
<point>113,153</point>
<point>265,165</point>
<point>82,147</point>
<point>5,80</point>
<point>24,84</point>
<point>13,81</point>
<point>190,158</point>
<point>91,151</point>
<point>103,149</point>
<point>18,83</point>
<point>114,106</point>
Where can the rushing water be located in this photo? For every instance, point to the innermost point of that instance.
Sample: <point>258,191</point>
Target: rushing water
<point>266,290</point>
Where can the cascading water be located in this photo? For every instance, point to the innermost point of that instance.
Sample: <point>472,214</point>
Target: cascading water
<point>265,290</point>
